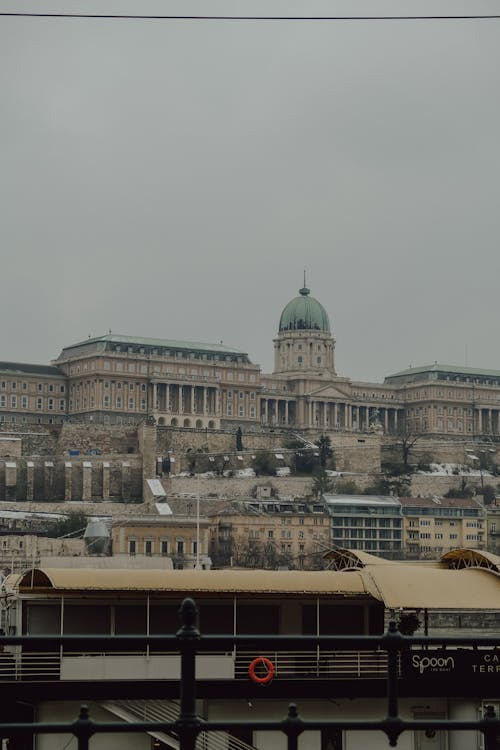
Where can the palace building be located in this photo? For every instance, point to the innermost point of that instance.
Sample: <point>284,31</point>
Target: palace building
<point>115,379</point>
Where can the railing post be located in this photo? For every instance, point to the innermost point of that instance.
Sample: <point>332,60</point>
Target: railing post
<point>490,735</point>
<point>292,726</point>
<point>187,724</point>
<point>392,644</point>
<point>83,728</point>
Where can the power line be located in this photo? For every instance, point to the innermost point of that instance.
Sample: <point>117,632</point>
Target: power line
<point>143,17</point>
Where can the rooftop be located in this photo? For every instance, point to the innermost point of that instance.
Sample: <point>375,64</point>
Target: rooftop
<point>447,369</point>
<point>101,342</point>
<point>21,368</point>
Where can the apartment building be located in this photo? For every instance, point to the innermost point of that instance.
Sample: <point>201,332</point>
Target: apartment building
<point>436,525</point>
<point>270,533</point>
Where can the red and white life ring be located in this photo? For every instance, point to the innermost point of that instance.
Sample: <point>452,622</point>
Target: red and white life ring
<point>269,666</point>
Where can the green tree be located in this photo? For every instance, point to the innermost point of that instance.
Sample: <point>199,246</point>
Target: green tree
<point>264,463</point>
<point>465,491</point>
<point>322,484</point>
<point>346,487</point>
<point>325,450</point>
<point>488,493</point>
<point>304,458</point>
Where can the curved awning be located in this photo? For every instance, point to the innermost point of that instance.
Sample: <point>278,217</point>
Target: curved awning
<point>187,582</point>
<point>348,559</point>
<point>471,558</point>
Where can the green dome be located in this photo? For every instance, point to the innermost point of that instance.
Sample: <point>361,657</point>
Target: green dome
<point>304,313</point>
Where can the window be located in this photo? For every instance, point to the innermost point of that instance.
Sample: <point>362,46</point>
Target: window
<point>299,360</point>
<point>148,547</point>
<point>143,404</point>
<point>24,402</point>
<point>51,404</point>
<point>270,534</point>
<point>229,410</point>
<point>39,387</point>
<point>51,387</point>
<point>132,546</point>
<point>164,547</point>
<point>106,402</point>
<point>3,400</point>
<point>39,403</point>
<point>180,546</point>
<point>13,402</point>
<point>229,395</point>
<point>61,404</point>
<point>25,386</point>
<point>241,395</point>
<point>119,402</point>
<point>242,411</point>
<point>131,403</point>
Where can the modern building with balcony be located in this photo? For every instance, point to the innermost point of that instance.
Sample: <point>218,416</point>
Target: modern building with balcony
<point>366,522</point>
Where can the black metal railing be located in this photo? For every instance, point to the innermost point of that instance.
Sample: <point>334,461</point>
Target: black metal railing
<point>188,726</point>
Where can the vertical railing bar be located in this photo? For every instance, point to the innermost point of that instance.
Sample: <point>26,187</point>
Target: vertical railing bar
<point>83,728</point>
<point>187,724</point>
<point>490,734</point>
<point>292,726</point>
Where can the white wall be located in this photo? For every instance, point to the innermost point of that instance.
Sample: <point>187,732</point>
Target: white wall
<point>68,711</point>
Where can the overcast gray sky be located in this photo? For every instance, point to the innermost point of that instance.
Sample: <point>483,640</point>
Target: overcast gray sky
<point>173,178</point>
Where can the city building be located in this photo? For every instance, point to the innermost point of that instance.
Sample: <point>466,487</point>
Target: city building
<point>436,525</point>
<point>173,536</point>
<point>117,379</point>
<point>270,533</point>
<point>366,522</point>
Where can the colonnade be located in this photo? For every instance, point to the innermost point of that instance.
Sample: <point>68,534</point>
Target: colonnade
<point>179,398</point>
<point>332,415</point>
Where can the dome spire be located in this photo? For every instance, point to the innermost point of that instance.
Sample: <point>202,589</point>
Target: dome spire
<point>304,291</point>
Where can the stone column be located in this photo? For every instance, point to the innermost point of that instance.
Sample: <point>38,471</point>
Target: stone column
<point>106,480</point>
<point>125,480</point>
<point>68,481</point>
<point>147,446</point>
<point>192,389</point>
<point>30,480</point>
<point>286,412</point>
<point>167,397</point>
<point>155,396</point>
<point>386,420</point>
<point>10,480</point>
<point>48,480</point>
<point>86,481</point>
<point>480,421</point>
<point>205,410</point>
